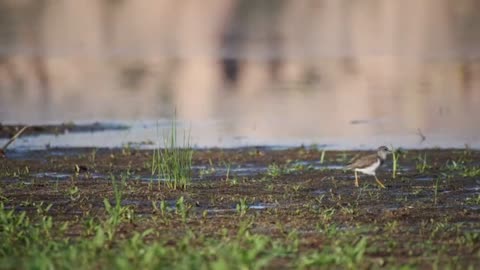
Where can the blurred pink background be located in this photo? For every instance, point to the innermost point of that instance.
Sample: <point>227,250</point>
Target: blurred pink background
<point>307,68</point>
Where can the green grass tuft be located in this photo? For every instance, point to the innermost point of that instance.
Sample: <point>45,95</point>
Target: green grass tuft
<point>173,162</point>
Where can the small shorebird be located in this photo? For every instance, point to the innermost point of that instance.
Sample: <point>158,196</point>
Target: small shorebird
<point>369,164</point>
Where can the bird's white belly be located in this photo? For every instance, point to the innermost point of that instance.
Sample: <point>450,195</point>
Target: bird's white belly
<point>370,170</point>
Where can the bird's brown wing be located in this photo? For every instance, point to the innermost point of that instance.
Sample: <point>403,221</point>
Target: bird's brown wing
<point>362,162</point>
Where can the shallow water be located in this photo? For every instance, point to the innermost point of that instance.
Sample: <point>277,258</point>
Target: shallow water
<point>150,134</point>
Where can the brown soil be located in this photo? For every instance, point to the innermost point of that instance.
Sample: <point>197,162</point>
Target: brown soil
<point>421,213</point>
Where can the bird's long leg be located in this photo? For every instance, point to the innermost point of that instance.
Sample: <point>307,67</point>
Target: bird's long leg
<point>356,179</point>
<point>378,182</point>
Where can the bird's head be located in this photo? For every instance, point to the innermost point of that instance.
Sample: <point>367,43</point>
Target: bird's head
<point>383,151</point>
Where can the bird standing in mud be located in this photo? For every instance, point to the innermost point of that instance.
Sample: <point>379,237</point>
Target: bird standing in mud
<point>369,164</point>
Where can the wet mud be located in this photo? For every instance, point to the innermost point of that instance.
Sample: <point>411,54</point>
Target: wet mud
<point>429,211</point>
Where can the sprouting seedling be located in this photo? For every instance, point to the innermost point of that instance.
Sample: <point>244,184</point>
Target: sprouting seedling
<point>77,169</point>
<point>423,163</point>
<point>242,207</point>
<point>274,170</point>
<point>227,174</point>
<point>395,157</point>
<point>74,193</point>
<point>182,208</point>
<point>322,157</point>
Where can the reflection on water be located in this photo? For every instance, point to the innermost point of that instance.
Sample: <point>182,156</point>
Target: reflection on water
<point>325,71</point>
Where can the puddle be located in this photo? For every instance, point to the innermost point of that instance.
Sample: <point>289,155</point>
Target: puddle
<point>65,176</point>
<point>472,189</point>
<point>254,206</point>
<point>424,178</point>
<point>317,165</point>
<point>221,210</point>
<point>319,192</point>
<point>53,175</point>
<point>261,206</point>
<point>151,179</point>
<point>392,207</point>
<point>128,202</point>
<point>169,204</point>
<point>245,170</point>
<point>252,170</point>
<point>387,167</point>
<point>240,170</point>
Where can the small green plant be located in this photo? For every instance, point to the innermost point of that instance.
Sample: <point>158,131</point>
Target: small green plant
<point>437,228</point>
<point>297,167</point>
<point>469,238</point>
<point>90,227</point>
<point>421,164</point>
<point>296,187</point>
<point>342,255</point>
<point>322,156</point>
<point>453,165</point>
<point>207,171</point>
<point>319,199</point>
<point>395,157</point>
<point>116,213</point>
<point>173,163</point>
<point>227,173</point>
<point>242,207</point>
<point>182,209</point>
<point>74,193</point>
<point>471,171</point>
<point>20,232</point>
<point>329,229</point>
<point>244,228</point>
<point>274,170</point>
<point>233,181</point>
<point>392,226</point>
<point>473,200</point>
<point>327,214</point>
<point>348,209</point>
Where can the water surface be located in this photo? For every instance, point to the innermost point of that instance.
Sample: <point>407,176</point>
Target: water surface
<point>339,73</point>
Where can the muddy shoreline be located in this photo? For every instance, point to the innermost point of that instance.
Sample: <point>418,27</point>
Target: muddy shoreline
<point>7,131</point>
<point>428,215</point>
